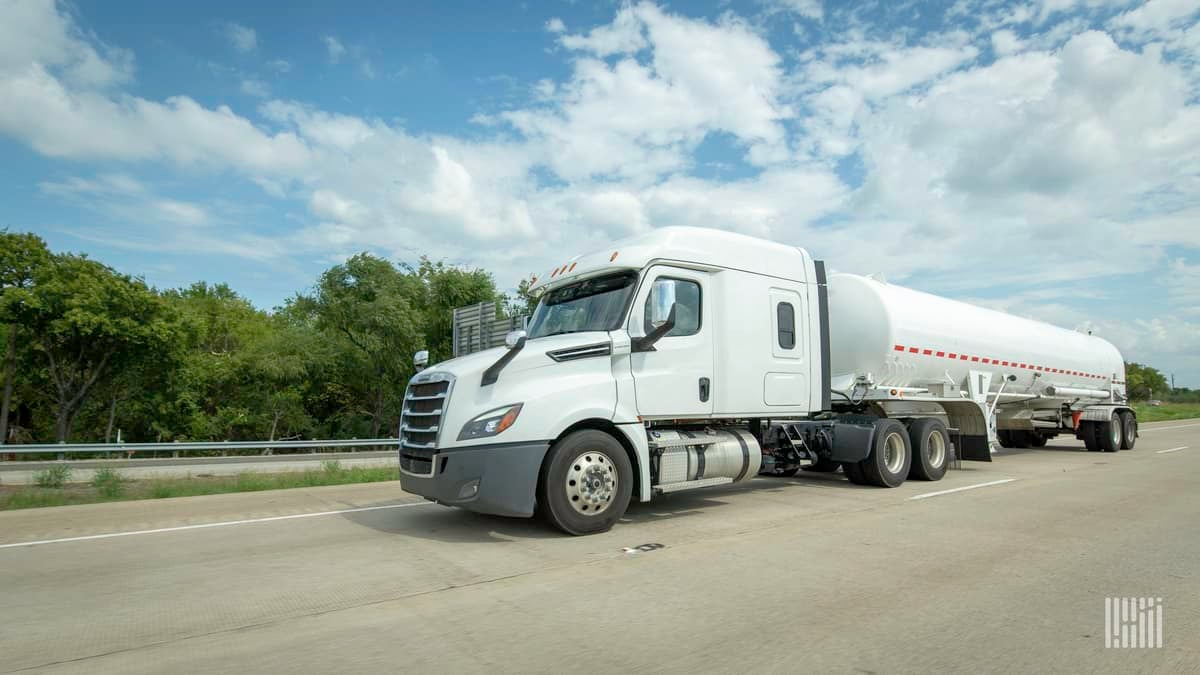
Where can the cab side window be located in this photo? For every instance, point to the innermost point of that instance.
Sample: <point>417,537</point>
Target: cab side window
<point>685,295</point>
<point>785,316</point>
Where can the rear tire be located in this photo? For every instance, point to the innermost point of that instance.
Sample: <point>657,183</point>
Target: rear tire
<point>1037,440</point>
<point>823,466</point>
<point>1087,430</point>
<point>1128,430</point>
<point>931,449</point>
<point>587,483</point>
<point>1109,434</point>
<point>891,458</point>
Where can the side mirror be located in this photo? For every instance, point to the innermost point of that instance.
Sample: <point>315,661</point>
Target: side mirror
<point>513,337</point>
<point>420,360</point>
<point>646,343</point>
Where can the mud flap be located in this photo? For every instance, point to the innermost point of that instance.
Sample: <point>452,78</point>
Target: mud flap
<point>972,447</point>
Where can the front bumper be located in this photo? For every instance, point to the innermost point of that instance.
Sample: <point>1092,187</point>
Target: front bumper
<point>499,479</point>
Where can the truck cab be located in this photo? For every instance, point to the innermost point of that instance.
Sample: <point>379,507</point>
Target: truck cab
<point>664,335</point>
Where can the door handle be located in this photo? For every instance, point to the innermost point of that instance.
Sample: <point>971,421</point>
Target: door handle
<point>704,389</point>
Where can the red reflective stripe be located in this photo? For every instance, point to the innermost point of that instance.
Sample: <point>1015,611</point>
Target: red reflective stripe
<point>899,348</point>
<point>953,355</point>
<point>913,350</point>
<point>941,353</point>
<point>1005,363</point>
<point>962,357</point>
<point>927,352</point>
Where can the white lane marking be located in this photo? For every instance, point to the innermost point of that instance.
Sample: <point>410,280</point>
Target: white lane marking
<point>1143,430</point>
<point>927,495</point>
<point>201,526</point>
<point>1160,452</point>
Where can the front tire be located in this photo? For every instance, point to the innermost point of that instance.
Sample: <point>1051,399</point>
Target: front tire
<point>931,449</point>
<point>1128,430</point>
<point>587,484</point>
<point>891,458</point>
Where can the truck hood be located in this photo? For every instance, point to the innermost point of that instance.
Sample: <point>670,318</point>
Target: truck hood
<point>468,370</point>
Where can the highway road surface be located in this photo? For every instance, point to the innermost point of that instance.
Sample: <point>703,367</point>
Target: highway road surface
<point>999,567</point>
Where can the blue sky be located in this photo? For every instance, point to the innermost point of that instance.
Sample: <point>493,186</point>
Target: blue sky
<point>1040,157</point>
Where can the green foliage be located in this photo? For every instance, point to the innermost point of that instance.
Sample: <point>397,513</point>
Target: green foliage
<point>108,483</point>
<point>164,488</point>
<point>54,477</point>
<point>1143,381</point>
<point>1166,411</point>
<point>331,466</point>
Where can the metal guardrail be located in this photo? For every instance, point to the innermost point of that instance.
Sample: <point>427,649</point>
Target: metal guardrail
<point>60,448</point>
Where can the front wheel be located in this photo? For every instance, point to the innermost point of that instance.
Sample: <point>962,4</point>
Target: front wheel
<point>587,483</point>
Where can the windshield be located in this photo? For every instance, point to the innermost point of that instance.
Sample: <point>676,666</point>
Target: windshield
<point>591,304</point>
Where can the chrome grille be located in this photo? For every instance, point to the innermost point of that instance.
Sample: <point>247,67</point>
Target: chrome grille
<point>420,421</point>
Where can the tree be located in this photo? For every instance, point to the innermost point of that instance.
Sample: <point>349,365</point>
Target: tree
<point>22,258</point>
<point>1141,381</point>
<point>522,303</point>
<point>444,288</point>
<point>367,302</point>
<point>87,321</point>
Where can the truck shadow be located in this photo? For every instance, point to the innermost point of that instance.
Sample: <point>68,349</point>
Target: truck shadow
<point>457,526</point>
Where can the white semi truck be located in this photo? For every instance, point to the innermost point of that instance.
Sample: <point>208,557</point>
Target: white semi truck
<point>687,358</point>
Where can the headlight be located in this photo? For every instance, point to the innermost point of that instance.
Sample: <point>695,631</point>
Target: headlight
<point>490,423</point>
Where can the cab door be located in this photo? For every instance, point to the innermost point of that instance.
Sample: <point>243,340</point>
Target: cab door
<point>675,377</point>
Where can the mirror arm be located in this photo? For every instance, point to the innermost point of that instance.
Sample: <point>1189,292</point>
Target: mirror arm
<point>646,342</point>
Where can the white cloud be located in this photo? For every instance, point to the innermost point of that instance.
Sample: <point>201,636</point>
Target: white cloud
<point>556,25</point>
<point>1065,162</point>
<point>809,9</point>
<point>252,87</point>
<point>128,198</point>
<point>241,38</point>
<point>1005,42</point>
<point>334,47</point>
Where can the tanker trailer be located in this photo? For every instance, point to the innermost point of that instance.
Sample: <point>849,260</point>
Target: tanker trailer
<point>685,358</point>
<point>1035,376</point>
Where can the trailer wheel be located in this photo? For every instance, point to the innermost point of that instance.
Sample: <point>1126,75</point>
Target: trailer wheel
<point>931,446</point>
<point>587,483</point>
<point>1109,434</point>
<point>1129,430</point>
<point>823,466</point>
<point>854,472</point>
<point>1005,438</point>
<point>1087,431</point>
<point>890,459</point>
<point>1036,439</point>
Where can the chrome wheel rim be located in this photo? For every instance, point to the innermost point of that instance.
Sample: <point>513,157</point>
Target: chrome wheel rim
<point>591,483</point>
<point>1130,432</point>
<point>893,456</point>
<point>937,448</point>
<point>1115,431</point>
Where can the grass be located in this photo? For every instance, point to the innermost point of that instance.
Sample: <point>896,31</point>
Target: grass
<point>107,485</point>
<point>1166,411</point>
<point>55,477</point>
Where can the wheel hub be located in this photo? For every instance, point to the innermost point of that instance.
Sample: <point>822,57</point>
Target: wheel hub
<point>591,483</point>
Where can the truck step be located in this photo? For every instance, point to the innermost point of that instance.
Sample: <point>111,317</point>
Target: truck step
<point>684,442</point>
<point>689,484</point>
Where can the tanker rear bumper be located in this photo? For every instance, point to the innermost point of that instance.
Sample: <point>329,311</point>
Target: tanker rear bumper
<point>498,479</point>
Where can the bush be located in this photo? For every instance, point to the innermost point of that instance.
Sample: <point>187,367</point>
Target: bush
<point>331,466</point>
<point>54,477</point>
<point>108,483</point>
